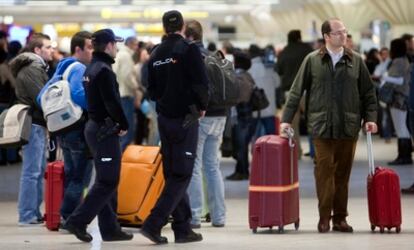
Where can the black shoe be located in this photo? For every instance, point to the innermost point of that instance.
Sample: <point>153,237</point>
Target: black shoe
<point>237,177</point>
<point>218,225</point>
<point>156,238</point>
<point>342,226</point>
<point>80,233</point>
<point>41,220</point>
<point>401,161</point>
<point>62,227</point>
<point>118,236</point>
<point>409,190</point>
<point>208,217</point>
<point>190,237</point>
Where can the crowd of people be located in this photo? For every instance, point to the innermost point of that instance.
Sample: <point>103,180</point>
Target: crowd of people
<point>149,92</point>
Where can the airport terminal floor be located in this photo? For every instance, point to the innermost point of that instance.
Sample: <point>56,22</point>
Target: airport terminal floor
<point>236,234</point>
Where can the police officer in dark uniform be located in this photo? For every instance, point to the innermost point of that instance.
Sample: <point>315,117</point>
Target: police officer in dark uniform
<point>106,123</point>
<point>178,83</point>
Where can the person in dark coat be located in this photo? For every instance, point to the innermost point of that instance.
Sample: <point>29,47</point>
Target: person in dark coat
<point>340,97</point>
<point>107,122</point>
<point>178,83</point>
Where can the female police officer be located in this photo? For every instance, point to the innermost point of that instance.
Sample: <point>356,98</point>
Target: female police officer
<point>106,123</point>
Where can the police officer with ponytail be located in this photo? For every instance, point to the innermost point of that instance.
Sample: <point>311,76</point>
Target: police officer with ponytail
<point>107,122</point>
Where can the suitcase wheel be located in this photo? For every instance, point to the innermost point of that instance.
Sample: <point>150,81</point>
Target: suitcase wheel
<point>382,230</point>
<point>254,230</point>
<point>398,230</point>
<point>280,230</point>
<point>372,228</point>
<point>297,225</point>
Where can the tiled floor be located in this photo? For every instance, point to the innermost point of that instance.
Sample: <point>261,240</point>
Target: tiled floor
<point>237,234</point>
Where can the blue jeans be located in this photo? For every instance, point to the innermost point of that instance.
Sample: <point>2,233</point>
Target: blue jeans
<point>129,111</point>
<point>153,135</point>
<point>243,132</point>
<point>411,122</point>
<point>31,179</point>
<point>78,169</point>
<point>268,124</point>
<point>386,123</point>
<point>210,134</point>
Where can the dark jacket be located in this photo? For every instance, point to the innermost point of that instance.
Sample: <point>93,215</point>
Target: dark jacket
<point>102,91</point>
<point>177,77</point>
<point>244,109</point>
<point>289,61</point>
<point>400,67</point>
<point>336,100</point>
<point>31,75</point>
<point>411,96</point>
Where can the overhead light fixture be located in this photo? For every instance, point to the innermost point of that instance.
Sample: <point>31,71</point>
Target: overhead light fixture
<point>8,20</point>
<point>99,3</point>
<point>344,1</point>
<point>7,2</point>
<point>229,19</point>
<point>46,3</point>
<point>261,2</point>
<point>262,13</point>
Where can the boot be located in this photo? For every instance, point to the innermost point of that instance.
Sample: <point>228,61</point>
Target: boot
<point>407,148</point>
<point>404,152</point>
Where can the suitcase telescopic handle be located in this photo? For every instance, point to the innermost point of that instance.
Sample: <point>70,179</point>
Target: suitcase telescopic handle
<point>291,133</point>
<point>371,168</point>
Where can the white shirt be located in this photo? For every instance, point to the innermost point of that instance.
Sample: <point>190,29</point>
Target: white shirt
<point>335,56</point>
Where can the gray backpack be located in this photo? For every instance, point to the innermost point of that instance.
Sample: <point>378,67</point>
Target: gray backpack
<point>59,110</point>
<point>15,126</point>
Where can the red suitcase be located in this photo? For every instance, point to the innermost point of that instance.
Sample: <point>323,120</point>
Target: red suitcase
<point>274,186</point>
<point>53,194</point>
<point>384,200</point>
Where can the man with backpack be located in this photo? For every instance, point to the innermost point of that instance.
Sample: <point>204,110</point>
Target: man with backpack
<point>210,133</point>
<point>30,70</point>
<point>78,165</point>
<point>177,81</point>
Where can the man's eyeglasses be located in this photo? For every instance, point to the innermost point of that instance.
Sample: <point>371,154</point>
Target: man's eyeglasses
<point>339,32</point>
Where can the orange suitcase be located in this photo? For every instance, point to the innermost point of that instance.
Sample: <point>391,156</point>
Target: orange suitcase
<point>140,185</point>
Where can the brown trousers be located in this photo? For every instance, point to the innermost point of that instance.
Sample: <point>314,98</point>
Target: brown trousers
<point>333,164</point>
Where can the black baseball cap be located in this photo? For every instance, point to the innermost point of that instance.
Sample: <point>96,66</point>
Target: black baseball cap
<point>105,36</point>
<point>172,21</point>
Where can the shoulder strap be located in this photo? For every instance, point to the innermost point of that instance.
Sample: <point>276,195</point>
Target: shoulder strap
<point>68,69</point>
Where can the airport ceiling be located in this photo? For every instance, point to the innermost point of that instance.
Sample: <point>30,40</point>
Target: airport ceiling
<point>50,11</point>
<point>259,15</point>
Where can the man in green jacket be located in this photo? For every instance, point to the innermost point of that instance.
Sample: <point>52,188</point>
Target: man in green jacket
<point>339,97</point>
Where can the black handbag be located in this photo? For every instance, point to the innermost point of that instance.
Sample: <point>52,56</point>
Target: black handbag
<point>258,100</point>
<point>386,93</point>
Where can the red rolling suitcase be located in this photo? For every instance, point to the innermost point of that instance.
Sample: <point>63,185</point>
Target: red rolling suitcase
<point>53,194</point>
<point>384,200</point>
<point>274,185</point>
